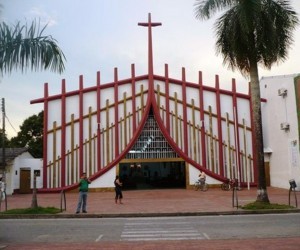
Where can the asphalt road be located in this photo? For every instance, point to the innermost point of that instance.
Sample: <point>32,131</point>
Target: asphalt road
<point>195,228</point>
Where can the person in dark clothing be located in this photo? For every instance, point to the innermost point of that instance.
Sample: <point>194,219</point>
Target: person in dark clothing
<point>118,185</point>
<point>83,192</point>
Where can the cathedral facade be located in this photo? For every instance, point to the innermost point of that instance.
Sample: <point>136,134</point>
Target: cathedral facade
<point>152,130</point>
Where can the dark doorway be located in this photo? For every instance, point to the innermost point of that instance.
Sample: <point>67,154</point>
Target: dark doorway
<point>152,175</point>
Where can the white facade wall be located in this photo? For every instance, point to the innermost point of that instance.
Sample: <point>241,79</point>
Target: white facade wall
<point>281,146</point>
<point>106,180</point>
<point>194,176</point>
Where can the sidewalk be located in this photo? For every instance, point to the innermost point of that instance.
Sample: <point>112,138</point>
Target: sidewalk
<point>163,202</point>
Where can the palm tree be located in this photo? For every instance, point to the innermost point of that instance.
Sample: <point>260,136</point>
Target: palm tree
<point>249,33</point>
<point>23,47</point>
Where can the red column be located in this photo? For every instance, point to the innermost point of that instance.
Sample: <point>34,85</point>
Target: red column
<point>63,134</point>
<point>236,128</point>
<point>184,107</point>
<point>116,107</point>
<point>219,122</point>
<point>133,98</point>
<point>98,122</point>
<point>201,102</point>
<point>81,125</point>
<point>45,135</point>
<point>167,91</point>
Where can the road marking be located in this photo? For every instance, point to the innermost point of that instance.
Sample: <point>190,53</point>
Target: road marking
<point>166,238</point>
<point>168,234</point>
<point>206,236</point>
<point>99,238</point>
<point>160,230</point>
<point>43,237</point>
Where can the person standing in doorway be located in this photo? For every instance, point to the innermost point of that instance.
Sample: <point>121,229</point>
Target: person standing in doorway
<point>83,192</point>
<point>118,186</point>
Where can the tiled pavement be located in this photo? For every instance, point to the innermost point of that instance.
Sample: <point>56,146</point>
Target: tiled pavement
<point>157,203</point>
<point>152,202</point>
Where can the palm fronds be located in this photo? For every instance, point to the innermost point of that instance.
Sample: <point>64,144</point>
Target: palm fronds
<point>23,47</point>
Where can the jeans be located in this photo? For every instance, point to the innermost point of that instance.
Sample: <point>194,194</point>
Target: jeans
<point>82,201</point>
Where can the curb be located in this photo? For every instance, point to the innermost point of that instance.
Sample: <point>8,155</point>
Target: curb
<point>137,215</point>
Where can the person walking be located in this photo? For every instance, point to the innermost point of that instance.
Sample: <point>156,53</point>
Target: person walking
<point>118,185</point>
<point>83,192</point>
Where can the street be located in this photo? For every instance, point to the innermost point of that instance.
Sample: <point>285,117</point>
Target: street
<point>200,228</point>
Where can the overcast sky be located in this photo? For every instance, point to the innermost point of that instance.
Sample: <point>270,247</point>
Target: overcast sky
<point>99,35</point>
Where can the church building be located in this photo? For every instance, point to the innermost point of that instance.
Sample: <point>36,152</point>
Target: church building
<point>151,130</point>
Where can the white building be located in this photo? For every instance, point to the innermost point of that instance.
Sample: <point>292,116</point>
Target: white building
<point>280,114</point>
<point>20,169</point>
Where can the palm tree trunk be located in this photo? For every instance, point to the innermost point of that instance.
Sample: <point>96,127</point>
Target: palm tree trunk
<point>262,194</point>
<point>34,203</point>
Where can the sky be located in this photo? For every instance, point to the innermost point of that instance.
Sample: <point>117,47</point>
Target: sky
<point>99,35</point>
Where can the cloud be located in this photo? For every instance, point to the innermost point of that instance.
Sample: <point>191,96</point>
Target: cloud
<point>44,17</point>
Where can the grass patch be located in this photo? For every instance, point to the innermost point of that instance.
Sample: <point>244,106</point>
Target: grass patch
<point>38,210</point>
<point>264,205</point>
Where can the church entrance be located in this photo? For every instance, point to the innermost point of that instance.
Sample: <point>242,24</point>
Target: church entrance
<point>151,162</point>
<point>153,175</point>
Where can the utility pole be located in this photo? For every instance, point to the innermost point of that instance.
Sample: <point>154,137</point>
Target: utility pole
<point>3,134</point>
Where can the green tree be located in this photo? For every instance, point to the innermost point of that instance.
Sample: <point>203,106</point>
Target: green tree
<point>25,46</point>
<point>251,33</point>
<point>31,135</point>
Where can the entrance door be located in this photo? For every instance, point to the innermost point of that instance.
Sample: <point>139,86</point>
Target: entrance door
<point>25,181</point>
<point>152,175</point>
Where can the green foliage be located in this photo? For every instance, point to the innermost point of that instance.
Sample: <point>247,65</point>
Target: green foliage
<point>38,210</point>
<point>25,46</point>
<point>31,135</point>
<point>265,205</point>
<point>251,31</point>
